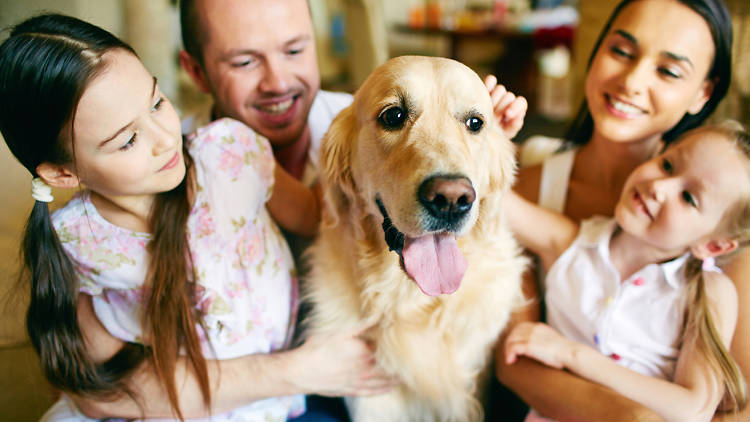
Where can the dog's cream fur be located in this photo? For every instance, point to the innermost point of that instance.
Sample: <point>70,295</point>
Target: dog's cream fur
<point>437,346</point>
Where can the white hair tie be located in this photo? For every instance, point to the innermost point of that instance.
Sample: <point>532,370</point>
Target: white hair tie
<point>40,190</point>
<point>709,264</point>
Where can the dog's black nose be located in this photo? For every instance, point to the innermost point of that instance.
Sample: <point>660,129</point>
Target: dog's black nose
<point>447,198</point>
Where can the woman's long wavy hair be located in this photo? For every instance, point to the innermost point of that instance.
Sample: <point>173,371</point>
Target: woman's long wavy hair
<point>45,66</point>
<point>719,21</point>
<point>700,324</point>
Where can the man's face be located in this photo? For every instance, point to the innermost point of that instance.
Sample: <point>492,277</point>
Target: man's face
<point>260,64</point>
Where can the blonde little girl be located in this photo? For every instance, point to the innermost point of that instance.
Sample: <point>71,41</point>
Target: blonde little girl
<point>634,302</point>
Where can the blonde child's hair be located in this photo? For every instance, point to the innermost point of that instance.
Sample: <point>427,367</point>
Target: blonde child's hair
<point>735,224</point>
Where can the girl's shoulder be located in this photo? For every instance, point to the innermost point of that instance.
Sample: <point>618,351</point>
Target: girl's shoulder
<point>719,288</point>
<point>105,255</point>
<point>596,230</point>
<point>72,210</point>
<point>227,146</point>
<point>77,215</point>
<point>228,133</point>
<point>80,215</point>
<point>723,303</point>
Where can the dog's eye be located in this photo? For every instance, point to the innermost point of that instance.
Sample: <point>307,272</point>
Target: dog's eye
<point>392,117</point>
<point>474,124</point>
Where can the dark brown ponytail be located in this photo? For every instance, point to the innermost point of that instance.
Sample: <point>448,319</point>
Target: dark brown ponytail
<point>45,66</point>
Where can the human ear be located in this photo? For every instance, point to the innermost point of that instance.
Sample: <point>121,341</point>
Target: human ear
<point>195,70</point>
<point>702,97</point>
<point>57,176</point>
<point>714,247</point>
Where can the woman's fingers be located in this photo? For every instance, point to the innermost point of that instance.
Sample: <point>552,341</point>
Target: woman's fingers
<point>490,81</point>
<point>514,115</point>
<point>509,109</point>
<point>517,108</point>
<point>375,381</point>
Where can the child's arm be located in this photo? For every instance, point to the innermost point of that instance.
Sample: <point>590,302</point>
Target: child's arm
<point>294,206</point>
<point>334,365</point>
<point>694,394</point>
<point>544,232</point>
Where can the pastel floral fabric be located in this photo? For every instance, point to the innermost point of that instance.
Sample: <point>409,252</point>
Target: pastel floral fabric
<point>245,277</point>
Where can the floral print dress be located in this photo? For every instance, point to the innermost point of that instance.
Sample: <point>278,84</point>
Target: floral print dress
<point>246,280</point>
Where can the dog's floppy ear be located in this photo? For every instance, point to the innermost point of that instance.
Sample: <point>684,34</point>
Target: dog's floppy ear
<point>335,158</point>
<point>502,156</point>
<point>501,164</point>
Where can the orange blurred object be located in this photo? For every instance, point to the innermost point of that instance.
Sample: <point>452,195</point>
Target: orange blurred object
<point>417,17</point>
<point>434,14</point>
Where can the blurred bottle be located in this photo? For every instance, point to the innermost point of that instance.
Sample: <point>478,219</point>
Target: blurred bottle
<point>541,4</point>
<point>339,45</point>
<point>433,14</point>
<point>417,16</point>
<point>554,90</point>
<point>500,12</point>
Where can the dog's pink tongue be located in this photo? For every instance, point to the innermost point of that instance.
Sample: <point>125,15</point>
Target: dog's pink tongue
<point>435,263</point>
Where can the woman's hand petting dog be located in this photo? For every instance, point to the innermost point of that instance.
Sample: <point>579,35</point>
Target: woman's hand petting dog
<point>510,110</point>
<point>343,364</point>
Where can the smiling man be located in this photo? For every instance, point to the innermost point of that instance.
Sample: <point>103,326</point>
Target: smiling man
<point>257,59</point>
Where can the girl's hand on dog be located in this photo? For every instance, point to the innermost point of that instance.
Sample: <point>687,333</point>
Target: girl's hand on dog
<point>343,364</point>
<point>509,109</point>
<point>538,341</point>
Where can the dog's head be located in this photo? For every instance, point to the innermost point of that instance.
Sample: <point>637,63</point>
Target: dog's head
<point>421,152</point>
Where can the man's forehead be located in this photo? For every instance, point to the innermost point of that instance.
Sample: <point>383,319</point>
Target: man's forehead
<point>234,24</point>
<point>218,13</point>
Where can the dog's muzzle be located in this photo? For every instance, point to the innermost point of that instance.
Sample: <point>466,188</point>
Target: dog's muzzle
<point>433,259</point>
<point>448,200</point>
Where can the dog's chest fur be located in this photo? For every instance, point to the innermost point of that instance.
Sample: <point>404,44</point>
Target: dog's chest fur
<point>437,346</point>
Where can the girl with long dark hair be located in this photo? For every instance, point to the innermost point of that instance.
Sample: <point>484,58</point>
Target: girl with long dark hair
<point>163,289</point>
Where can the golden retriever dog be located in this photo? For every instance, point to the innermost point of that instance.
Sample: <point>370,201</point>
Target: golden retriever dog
<point>412,239</point>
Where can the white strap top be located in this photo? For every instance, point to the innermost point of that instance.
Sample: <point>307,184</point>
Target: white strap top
<point>553,186</point>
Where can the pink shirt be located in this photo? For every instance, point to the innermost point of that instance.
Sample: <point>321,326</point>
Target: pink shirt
<point>246,280</point>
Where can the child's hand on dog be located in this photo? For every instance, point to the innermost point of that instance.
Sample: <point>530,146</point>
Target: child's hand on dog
<point>538,341</point>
